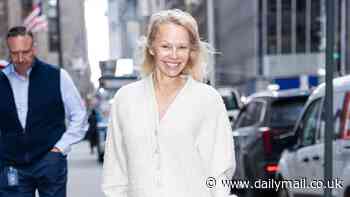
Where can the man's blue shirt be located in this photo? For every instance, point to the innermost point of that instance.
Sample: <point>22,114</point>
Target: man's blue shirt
<point>74,108</point>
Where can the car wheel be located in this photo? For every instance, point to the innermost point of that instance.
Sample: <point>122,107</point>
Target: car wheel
<point>347,192</point>
<point>250,193</point>
<point>283,192</point>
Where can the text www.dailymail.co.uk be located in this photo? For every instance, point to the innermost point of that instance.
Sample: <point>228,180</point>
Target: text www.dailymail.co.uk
<point>211,182</point>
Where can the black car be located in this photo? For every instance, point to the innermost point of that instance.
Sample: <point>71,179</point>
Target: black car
<point>262,131</point>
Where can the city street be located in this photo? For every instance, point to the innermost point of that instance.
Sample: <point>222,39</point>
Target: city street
<point>281,68</point>
<point>84,173</point>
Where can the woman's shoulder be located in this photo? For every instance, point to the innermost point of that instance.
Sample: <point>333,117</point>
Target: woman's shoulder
<point>208,96</point>
<point>130,90</point>
<point>205,90</point>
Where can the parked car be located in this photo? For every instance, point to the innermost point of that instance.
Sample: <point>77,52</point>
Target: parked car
<point>261,132</point>
<point>306,158</point>
<point>232,101</point>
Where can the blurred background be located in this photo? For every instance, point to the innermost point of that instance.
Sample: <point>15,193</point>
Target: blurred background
<point>260,44</point>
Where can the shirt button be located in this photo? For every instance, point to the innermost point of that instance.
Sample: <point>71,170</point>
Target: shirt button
<point>158,180</point>
<point>156,151</point>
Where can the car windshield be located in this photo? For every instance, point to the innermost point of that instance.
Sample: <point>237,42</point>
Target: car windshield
<point>110,94</point>
<point>230,102</point>
<point>285,112</point>
<point>106,94</point>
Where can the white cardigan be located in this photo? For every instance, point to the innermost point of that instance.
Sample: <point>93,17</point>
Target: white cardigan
<point>173,157</point>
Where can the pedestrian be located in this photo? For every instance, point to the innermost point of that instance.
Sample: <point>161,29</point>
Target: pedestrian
<point>36,101</point>
<point>91,134</point>
<point>169,133</point>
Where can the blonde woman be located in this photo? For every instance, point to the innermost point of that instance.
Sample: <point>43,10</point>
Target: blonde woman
<point>169,135</point>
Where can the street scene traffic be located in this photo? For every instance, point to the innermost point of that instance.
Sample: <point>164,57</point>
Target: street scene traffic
<point>175,98</point>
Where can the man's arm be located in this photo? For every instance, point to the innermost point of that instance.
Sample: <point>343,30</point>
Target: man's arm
<point>75,114</point>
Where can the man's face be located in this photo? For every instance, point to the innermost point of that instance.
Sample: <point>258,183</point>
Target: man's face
<point>21,50</point>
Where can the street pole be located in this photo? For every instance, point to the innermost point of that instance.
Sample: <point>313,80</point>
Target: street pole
<point>211,39</point>
<point>329,132</point>
<point>343,42</point>
<point>60,54</point>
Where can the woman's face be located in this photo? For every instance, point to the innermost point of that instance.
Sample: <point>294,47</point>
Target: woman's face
<point>171,49</point>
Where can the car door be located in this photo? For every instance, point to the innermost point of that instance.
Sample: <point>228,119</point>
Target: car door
<point>342,155</point>
<point>341,143</point>
<point>301,164</point>
<point>244,133</point>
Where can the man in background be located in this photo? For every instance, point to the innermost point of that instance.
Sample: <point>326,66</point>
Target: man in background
<point>37,100</point>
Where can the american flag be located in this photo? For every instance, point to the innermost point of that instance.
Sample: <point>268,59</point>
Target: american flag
<point>36,21</point>
<point>3,64</point>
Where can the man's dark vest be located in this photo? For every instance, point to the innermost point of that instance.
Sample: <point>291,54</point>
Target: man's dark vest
<point>45,123</point>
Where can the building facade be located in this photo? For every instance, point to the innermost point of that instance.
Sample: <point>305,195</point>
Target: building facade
<point>3,28</point>
<point>124,28</point>
<point>74,43</point>
<point>265,41</point>
<point>275,41</point>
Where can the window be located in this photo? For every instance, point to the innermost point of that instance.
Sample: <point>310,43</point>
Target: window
<point>230,102</point>
<point>308,125</point>
<point>301,26</point>
<point>343,119</point>
<point>285,112</point>
<point>53,30</point>
<point>286,39</point>
<point>271,27</point>
<point>316,31</point>
<point>53,35</point>
<point>250,114</point>
<point>26,7</point>
<point>307,26</point>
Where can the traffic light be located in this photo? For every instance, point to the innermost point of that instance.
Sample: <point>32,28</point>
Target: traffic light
<point>337,61</point>
<point>336,56</point>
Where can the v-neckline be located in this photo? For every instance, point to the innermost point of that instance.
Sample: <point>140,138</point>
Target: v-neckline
<point>173,102</point>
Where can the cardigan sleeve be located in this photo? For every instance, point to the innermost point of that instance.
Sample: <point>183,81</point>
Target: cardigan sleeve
<point>114,176</point>
<point>215,145</point>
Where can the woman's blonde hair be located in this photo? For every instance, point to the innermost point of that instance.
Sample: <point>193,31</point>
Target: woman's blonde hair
<point>200,50</point>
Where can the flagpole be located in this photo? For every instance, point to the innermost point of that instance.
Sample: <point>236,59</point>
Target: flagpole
<point>60,54</point>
